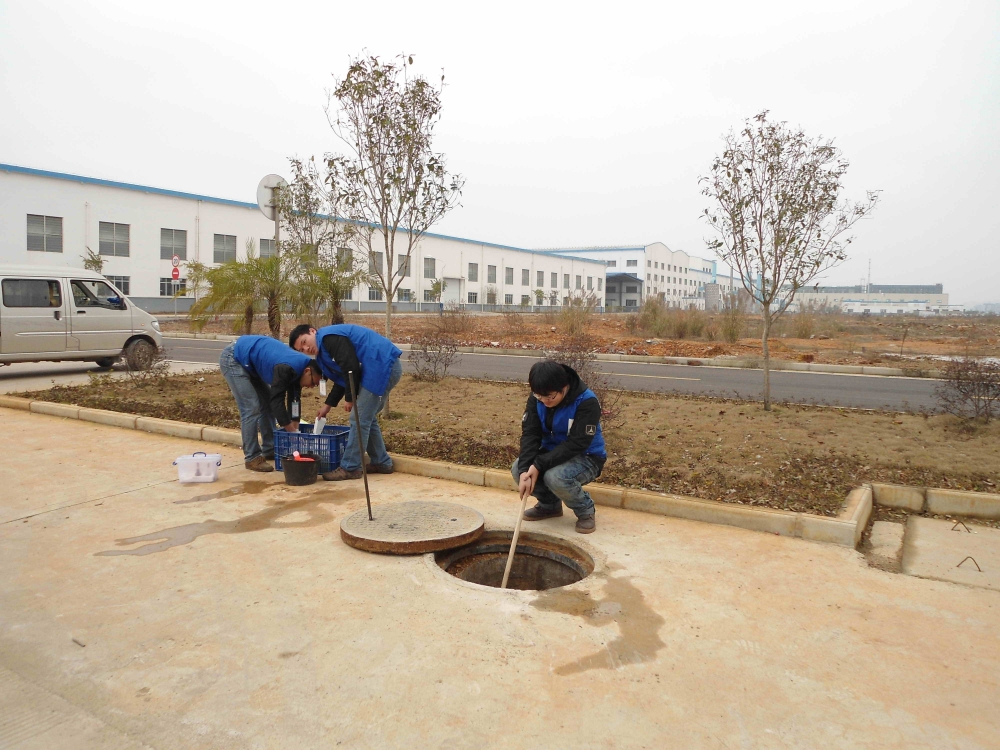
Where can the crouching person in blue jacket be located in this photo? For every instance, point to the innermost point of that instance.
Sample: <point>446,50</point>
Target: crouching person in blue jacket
<point>374,360</point>
<point>562,447</point>
<point>266,378</point>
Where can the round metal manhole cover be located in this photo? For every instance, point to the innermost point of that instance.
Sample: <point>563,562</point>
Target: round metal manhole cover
<point>412,528</point>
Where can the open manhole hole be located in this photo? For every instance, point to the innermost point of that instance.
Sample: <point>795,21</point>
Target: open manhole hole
<point>540,562</point>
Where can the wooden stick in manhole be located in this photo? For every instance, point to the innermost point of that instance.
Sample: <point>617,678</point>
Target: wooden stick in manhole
<point>513,542</point>
<point>361,446</point>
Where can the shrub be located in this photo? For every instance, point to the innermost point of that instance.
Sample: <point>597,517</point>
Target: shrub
<point>970,389</point>
<point>511,323</point>
<point>431,356</point>
<point>455,320</point>
<point>802,325</point>
<point>733,321</point>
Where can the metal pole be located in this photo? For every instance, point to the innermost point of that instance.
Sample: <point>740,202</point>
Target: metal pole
<point>361,447</point>
<point>277,219</point>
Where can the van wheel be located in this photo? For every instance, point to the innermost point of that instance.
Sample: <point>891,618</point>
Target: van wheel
<point>105,362</point>
<point>139,355</point>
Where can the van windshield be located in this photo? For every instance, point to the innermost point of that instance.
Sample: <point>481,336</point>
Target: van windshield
<point>88,293</point>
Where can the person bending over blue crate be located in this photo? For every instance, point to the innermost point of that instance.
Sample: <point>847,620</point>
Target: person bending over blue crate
<point>562,447</point>
<point>266,378</point>
<point>374,360</point>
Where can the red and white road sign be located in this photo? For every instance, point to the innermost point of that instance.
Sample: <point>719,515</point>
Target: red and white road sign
<point>175,274</point>
<point>175,262</point>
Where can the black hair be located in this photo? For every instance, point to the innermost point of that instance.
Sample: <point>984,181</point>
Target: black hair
<point>300,330</point>
<point>547,377</point>
<point>314,366</point>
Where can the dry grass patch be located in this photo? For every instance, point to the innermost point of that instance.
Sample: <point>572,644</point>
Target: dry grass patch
<point>796,458</point>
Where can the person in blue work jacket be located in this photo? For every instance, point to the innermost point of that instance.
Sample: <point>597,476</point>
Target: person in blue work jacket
<point>374,360</point>
<point>562,447</point>
<point>266,378</point>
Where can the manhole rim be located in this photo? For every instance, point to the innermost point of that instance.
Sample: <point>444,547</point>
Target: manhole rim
<point>595,555</point>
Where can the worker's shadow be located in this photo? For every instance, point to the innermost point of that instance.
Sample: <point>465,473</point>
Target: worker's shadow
<point>268,518</point>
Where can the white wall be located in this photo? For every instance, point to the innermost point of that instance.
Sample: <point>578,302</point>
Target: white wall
<point>82,205</point>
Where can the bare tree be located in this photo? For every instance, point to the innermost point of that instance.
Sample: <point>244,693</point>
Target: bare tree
<point>778,214</point>
<point>316,242</point>
<point>391,182</point>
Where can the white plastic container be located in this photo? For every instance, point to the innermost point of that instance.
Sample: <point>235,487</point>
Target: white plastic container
<point>198,467</point>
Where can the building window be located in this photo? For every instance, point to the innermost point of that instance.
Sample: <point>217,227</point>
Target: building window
<point>175,242</point>
<point>31,293</point>
<point>491,275</point>
<point>648,277</point>
<point>121,282</point>
<point>113,239</point>
<point>374,295</point>
<point>375,263</point>
<point>224,248</point>
<point>631,290</point>
<point>590,283</point>
<point>428,296</point>
<point>266,248</point>
<point>612,289</point>
<point>403,266</point>
<point>171,287</point>
<point>579,282</point>
<point>656,265</point>
<point>649,264</point>
<point>429,269</point>
<point>555,281</point>
<point>508,299</point>
<point>631,263</point>
<point>631,303</point>
<point>540,279</point>
<point>599,282</point>
<point>404,295</point>
<point>473,296</point>
<point>525,300</point>
<point>345,257</point>
<point>565,281</point>
<point>45,233</point>
<point>525,277</point>
<point>612,264</point>
<point>508,275</point>
<point>491,298</point>
<point>473,272</point>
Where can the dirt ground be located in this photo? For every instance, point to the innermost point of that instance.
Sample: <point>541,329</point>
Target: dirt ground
<point>907,342</point>
<point>796,458</point>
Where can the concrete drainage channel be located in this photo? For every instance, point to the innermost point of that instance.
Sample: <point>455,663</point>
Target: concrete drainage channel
<point>540,562</point>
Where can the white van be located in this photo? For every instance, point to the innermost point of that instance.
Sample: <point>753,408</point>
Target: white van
<point>55,314</point>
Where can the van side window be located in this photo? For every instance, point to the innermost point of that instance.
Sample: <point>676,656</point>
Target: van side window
<point>31,293</point>
<point>88,293</point>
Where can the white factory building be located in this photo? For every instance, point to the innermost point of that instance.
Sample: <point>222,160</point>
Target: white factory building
<point>635,273</point>
<point>51,218</point>
<point>877,299</point>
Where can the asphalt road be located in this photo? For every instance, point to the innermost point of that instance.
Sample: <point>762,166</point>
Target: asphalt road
<point>858,391</point>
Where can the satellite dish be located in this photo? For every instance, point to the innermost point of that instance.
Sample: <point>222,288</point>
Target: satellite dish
<point>265,193</point>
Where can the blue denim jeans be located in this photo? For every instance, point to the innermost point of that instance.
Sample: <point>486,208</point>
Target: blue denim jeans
<point>368,407</point>
<point>254,404</point>
<point>564,484</point>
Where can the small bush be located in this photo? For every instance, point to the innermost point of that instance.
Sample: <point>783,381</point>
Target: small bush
<point>696,322</point>
<point>802,325</point>
<point>733,321</point>
<point>512,322</point>
<point>711,331</point>
<point>455,320</point>
<point>575,317</point>
<point>971,389</point>
<point>431,356</point>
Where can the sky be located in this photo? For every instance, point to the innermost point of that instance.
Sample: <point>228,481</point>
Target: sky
<point>574,124</point>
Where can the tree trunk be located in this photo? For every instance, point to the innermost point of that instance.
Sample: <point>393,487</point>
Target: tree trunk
<point>767,357</point>
<point>388,316</point>
<point>337,312</point>
<point>248,319</point>
<point>274,317</point>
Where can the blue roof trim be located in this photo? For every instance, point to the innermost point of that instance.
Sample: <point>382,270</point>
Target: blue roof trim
<point>122,185</point>
<point>564,250</point>
<point>240,204</point>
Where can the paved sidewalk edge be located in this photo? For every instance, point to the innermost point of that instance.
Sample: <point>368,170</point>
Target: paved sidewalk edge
<point>844,530</point>
<point>739,363</point>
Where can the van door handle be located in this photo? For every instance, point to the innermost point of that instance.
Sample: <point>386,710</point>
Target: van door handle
<point>57,314</point>
<point>81,312</point>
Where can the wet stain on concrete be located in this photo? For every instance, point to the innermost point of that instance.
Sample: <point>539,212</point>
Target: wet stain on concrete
<point>268,518</point>
<point>253,487</point>
<point>624,604</point>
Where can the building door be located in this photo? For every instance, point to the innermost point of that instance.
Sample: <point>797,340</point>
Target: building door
<point>452,291</point>
<point>100,318</point>
<point>33,317</point>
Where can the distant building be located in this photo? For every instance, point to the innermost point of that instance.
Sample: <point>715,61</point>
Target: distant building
<point>877,299</point>
<point>639,272</point>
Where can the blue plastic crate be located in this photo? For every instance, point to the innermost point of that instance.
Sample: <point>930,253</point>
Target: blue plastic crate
<point>329,446</point>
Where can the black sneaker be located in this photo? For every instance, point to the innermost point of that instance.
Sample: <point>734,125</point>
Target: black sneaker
<point>586,525</point>
<point>541,512</point>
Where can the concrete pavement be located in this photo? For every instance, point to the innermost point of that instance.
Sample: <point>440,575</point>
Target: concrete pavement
<point>137,612</point>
